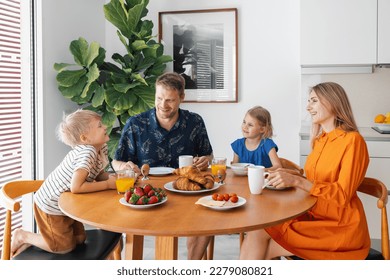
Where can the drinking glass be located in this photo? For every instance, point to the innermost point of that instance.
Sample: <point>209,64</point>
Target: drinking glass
<point>125,180</point>
<point>218,168</point>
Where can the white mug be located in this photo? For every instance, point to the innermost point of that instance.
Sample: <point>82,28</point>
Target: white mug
<point>186,160</point>
<point>256,177</point>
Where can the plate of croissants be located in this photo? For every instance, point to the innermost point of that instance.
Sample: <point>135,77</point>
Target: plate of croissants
<point>192,180</point>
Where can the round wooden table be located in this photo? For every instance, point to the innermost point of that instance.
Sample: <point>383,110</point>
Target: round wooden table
<point>180,216</point>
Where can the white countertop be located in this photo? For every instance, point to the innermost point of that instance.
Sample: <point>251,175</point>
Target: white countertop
<point>367,132</point>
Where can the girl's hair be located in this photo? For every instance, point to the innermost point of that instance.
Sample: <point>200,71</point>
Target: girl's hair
<point>334,97</point>
<point>74,125</point>
<point>264,117</point>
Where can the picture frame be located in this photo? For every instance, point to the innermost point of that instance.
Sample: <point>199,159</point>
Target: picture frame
<point>204,48</point>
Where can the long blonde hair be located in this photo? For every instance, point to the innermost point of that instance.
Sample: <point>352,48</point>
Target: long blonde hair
<point>335,98</point>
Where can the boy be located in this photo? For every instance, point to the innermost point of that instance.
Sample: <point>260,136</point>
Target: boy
<point>81,171</point>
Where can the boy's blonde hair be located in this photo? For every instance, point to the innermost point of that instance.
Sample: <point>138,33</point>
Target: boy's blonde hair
<point>74,125</point>
<point>264,117</point>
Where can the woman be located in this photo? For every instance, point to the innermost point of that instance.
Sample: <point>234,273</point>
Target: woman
<point>336,227</point>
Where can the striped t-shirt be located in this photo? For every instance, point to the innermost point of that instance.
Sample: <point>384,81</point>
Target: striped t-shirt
<point>59,181</point>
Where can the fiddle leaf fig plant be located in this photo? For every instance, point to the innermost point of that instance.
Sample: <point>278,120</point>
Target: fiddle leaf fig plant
<point>123,86</point>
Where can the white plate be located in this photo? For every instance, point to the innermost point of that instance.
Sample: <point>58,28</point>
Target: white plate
<point>383,126</point>
<point>160,171</point>
<point>169,187</point>
<point>204,201</point>
<point>123,202</point>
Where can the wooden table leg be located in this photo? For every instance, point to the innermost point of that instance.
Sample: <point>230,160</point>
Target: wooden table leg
<point>134,247</point>
<point>166,248</point>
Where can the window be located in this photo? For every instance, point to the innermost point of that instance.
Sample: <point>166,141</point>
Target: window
<point>15,98</point>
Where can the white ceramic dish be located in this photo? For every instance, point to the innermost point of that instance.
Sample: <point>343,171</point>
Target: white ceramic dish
<point>161,171</point>
<point>207,201</point>
<point>123,202</point>
<point>383,126</point>
<point>169,187</point>
<point>240,169</point>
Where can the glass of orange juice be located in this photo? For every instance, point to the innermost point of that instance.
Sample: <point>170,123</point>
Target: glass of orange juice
<point>218,168</point>
<point>125,180</point>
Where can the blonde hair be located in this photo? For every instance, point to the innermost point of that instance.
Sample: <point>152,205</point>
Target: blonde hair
<point>74,125</point>
<point>334,97</point>
<point>264,117</point>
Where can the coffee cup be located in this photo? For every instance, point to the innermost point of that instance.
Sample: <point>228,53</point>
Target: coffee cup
<point>256,178</point>
<point>185,160</point>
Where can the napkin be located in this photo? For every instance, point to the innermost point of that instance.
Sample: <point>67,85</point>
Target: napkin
<point>210,202</point>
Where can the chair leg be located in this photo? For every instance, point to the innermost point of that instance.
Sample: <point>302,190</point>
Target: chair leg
<point>210,248</point>
<point>118,250</point>
<point>242,235</point>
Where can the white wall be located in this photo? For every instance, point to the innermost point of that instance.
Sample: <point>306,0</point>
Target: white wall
<point>61,22</point>
<point>268,70</point>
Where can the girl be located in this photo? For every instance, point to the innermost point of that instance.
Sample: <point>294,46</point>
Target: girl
<point>256,146</point>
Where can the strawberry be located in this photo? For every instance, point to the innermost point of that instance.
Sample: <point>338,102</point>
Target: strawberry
<point>134,198</point>
<point>142,200</point>
<point>139,191</point>
<point>153,199</point>
<point>147,188</point>
<point>127,195</point>
<point>151,193</point>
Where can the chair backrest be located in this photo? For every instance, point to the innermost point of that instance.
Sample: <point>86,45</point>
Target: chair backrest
<point>376,188</point>
<point>8,193</point>
<point>291,165</point>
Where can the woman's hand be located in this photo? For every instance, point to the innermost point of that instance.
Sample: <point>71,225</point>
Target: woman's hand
<point>282,178</point>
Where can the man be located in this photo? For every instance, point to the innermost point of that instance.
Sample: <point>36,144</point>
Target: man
<point>158,136</point>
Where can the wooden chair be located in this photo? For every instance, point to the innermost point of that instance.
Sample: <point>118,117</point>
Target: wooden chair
<point>295,168</point>
<point>292,166</point>
<point>375,188</point>
<point>99,244</point>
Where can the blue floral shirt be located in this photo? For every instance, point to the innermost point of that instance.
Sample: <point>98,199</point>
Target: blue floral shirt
<point>143,140</point>
<point>259,156</point>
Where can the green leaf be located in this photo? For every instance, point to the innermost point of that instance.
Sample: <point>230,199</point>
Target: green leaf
<point>151,51</point>
<point>79,49</point>
<point>139,45</point>
<point>75,89</point>
<point>70,77</point>
<point>98,97</point>
<point>61,66</point>
<point>164,59</point>
<point>118,100</point>
<point>138,77</point>
<point>125,20</point>
<point>92,76</point>
<point>125,87</point>
<point>92,54</point>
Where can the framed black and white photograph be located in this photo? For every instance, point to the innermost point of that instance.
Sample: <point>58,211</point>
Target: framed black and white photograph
<point>203,45</point>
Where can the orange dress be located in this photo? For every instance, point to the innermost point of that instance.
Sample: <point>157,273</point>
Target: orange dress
<point>336,227</point>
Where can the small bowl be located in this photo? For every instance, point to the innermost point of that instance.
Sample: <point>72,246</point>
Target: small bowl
<point>383,126</point>
<point>240,169</point>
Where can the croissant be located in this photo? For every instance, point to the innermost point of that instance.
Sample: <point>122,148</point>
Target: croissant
<point>184,184</point>
<point>209,181</point>
<point>192,173</point>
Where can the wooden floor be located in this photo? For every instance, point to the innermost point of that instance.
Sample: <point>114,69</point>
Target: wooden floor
<point>226,247</point>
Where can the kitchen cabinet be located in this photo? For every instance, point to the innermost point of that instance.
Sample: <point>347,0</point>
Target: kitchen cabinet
<point>379,150</point>
<point>383,32</point>
<point>338,32</point>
